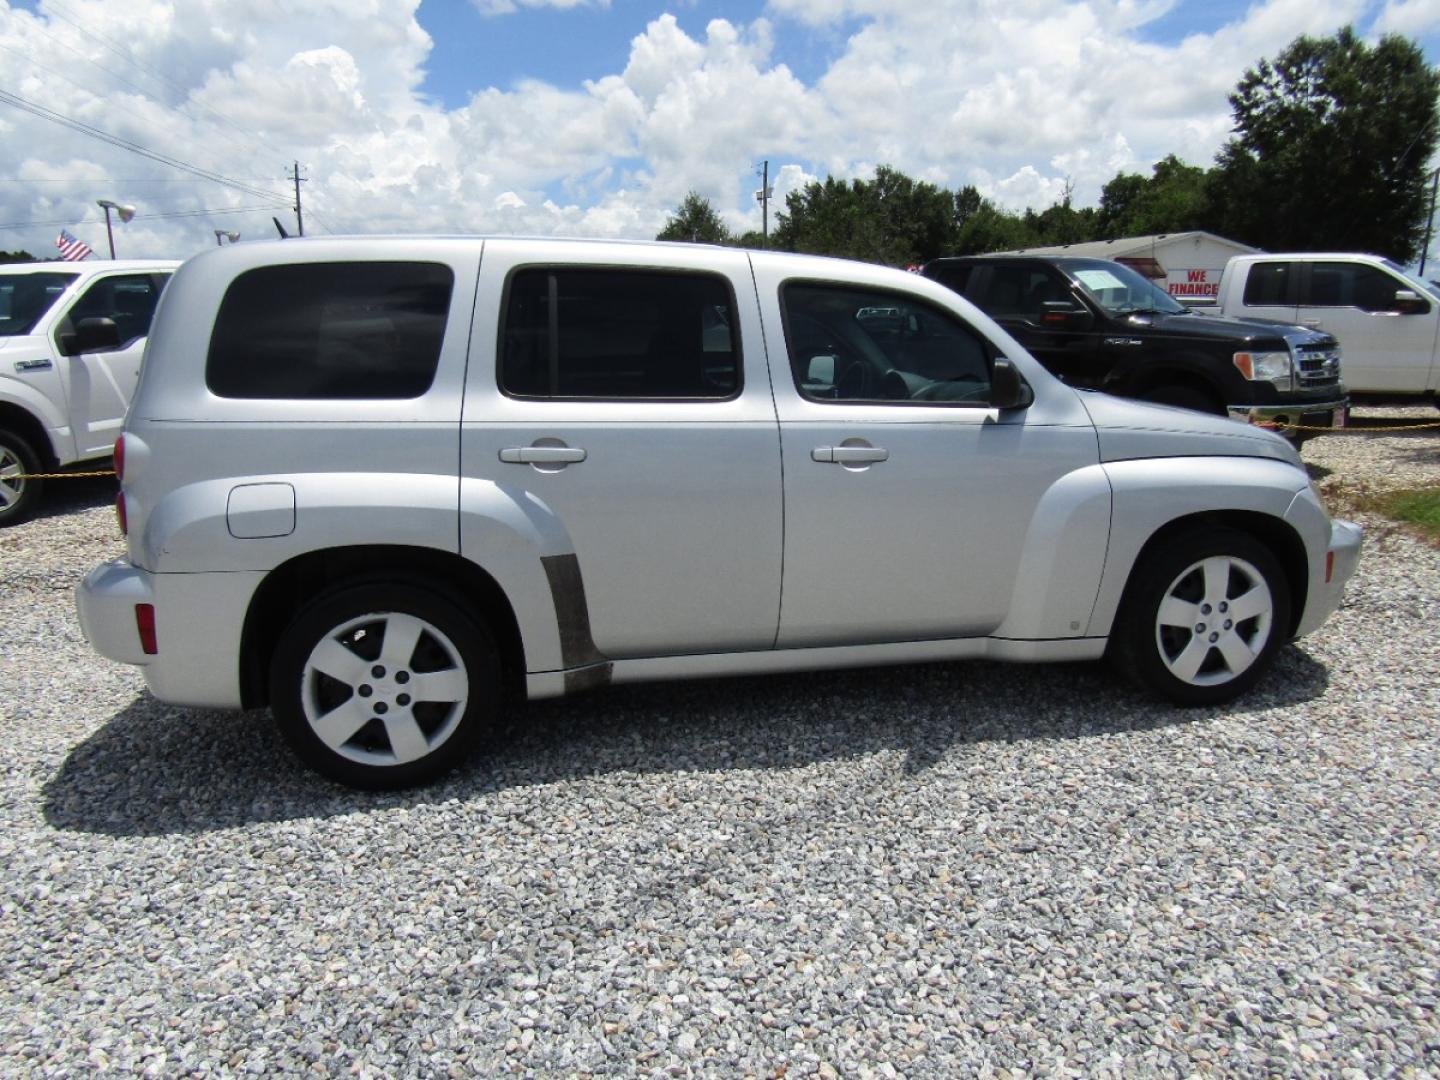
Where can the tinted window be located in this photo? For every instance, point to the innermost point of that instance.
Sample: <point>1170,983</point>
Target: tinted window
<point>331,330</point>
<point>1268,284</point>
<point>26,297</point>
<point>1334,284</point>
<point>862,345</point>
<point>954,277</point>
<point>617,333</point>
<point>129,301</point>
<point>1023,291</point>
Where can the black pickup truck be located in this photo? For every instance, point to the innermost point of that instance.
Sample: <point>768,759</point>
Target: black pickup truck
<point>1102,325</point>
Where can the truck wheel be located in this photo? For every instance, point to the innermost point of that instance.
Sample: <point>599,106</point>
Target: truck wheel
<point>1202,618</point>
<point>18,498</point>
<point>1183,397</point>
<point>385,686</point>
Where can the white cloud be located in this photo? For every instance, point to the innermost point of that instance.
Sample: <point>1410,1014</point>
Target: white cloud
<point>1409,17</point>
<point>1019,97</point>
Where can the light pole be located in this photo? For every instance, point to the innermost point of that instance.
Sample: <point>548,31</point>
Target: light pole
<point>221,236</point>
<point>125,211</point>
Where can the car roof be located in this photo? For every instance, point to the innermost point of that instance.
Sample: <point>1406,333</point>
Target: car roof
<point>85,266</point>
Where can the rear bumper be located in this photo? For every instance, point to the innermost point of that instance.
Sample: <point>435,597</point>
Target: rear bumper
<point>199,619</point>
<point>1290,419</point>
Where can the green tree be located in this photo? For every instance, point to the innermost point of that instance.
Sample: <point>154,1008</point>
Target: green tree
<point>696,222</point>
<point>1332,143</point>
<point>16,257</point>
<point>982,227</point>
<point>892,219</point>
<point>1174,198</point>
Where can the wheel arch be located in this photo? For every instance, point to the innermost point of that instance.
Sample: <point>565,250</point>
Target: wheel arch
<point>288,588</point>
<point>1275,533</point>
<point>1146,379</point>
<point>29,427</point>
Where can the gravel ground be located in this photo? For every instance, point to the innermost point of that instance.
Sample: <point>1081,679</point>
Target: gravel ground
<point>963,869</point>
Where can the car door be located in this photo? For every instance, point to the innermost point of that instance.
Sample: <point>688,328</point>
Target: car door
<point>1385,347</point>
<point>1015,295</point>
<point>908,498</point>
<point>628,407</point>
<point>99,384</point>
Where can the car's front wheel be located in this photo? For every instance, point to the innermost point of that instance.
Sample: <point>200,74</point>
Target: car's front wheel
<point>1203,617</point>
<point>385,686</point>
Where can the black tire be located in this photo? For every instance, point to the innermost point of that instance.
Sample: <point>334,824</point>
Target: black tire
<point>1149,644</point>
<point>18,498</point>
<point>1184,397</point>
<point>381,734</point>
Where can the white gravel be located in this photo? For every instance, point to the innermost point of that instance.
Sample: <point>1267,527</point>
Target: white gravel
<point>963,869</point>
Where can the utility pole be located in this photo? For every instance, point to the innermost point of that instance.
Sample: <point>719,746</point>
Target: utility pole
<point>1430,221</point>
<point>299,220</point>
<point>763,196</point>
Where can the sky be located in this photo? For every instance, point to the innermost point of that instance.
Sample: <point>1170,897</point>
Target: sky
<point>596,117</point>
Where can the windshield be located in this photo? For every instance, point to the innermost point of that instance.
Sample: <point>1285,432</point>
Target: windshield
<point>1119,290</point>
<point>26,297</point>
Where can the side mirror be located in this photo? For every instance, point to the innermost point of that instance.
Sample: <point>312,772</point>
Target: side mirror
<point>821,370</point>
<point>1409,302</point>
<point>90,335</point>
<point>1064,315</point>
<point>1008,388</point>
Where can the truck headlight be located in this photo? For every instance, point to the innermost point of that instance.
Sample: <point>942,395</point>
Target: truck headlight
<point>1272,367</point>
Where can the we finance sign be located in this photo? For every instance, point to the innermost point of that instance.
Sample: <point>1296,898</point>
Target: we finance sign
<point>1193,284</point>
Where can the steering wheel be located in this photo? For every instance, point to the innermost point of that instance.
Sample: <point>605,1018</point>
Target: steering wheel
<point>855,383</point>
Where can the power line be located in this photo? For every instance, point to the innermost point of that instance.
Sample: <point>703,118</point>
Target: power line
<point>43,113</point>
<point>147,217</point>
<point>116,48</point>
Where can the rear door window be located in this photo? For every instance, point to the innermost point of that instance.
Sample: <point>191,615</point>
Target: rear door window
<point>1268,284</point>
<point>619,334</point>
<point>344,331</point>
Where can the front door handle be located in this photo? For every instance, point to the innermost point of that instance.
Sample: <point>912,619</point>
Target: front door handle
<point>850,455</point>
<point>542,455</point>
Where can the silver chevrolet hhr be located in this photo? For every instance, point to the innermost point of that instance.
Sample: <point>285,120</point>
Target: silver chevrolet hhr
<point>387,486</point>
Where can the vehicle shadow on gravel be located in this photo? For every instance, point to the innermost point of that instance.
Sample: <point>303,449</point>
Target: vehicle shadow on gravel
<point>154,769</point>
<point>76,494</point>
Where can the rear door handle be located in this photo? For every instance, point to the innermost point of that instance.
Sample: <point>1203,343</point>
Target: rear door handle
<point>850,455</point>
<point>542,455</point>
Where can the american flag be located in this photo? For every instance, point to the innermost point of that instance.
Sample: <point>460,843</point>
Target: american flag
<point>72,250</point>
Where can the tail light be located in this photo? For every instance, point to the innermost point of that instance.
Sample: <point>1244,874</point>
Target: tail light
<point>120,515</point>
<point>145,624</point>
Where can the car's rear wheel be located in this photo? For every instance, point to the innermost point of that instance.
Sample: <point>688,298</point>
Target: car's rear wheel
<point>1202,617</point>
<point>18,498</point>
<point>385,686</point>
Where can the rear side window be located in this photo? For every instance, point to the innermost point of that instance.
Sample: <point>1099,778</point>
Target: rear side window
<point>619,334</point>
<point>351,330</point>
<point>954,277</point>
<point>1268,285</point>
<point>24,298</point>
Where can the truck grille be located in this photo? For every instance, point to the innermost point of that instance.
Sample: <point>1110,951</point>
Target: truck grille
<point>1319,364</point>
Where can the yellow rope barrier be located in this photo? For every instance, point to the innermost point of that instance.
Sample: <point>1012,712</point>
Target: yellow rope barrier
<point>60,475</point>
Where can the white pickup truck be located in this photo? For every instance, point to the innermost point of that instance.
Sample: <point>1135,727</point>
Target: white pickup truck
<point>1387,321</point>
<point>71,338</point>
